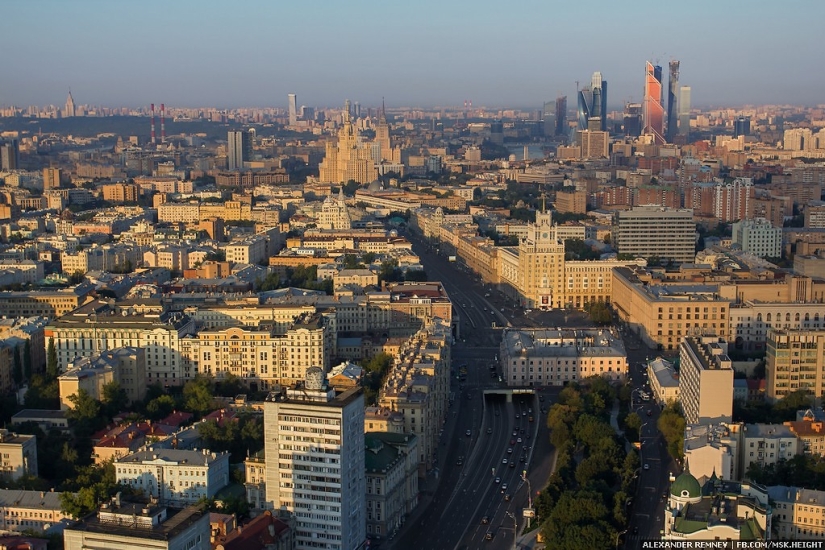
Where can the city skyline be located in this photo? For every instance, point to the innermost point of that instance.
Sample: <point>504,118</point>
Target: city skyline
<point>425,55</point>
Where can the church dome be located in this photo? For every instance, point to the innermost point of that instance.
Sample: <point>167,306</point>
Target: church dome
<point>686,486</point>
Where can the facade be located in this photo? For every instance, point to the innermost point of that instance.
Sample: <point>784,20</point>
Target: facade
<point>173,476</point>
<point>684,110</point>
<point>51,178</point>
<point>43,303</point>
<point>798,513</point>
<point>767,445</point>
<point>705,380</point>
<point>126,366</point>
<point>672,101</point>
<point>334,213</point>
<point>714,450</point>
<point>391,479</point>
<point>647,231</point>
<point>19,455</point>
<point>348,159</point>
<point>758,237</point>
<point>664,382</point>
<point>30,510</point>
<point>251,250</point>
<point>751,321</point>
<point>543,357</point>
<point>314,449</point>
<point>795,361</point>
<point>140,527</point>
<point>810,430</point>
<point>653,111</point>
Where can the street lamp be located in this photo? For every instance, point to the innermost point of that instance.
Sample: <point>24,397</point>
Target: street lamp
<point>617,537</point>
<point>515,528</point>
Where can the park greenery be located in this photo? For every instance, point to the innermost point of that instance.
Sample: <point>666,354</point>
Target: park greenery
<point>584,504</point>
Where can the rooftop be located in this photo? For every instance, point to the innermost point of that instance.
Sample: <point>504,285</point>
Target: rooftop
<point>176,521</point>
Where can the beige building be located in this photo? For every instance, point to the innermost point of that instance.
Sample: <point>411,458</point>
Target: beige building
<point>334,213</point>
<point>19,455</point>
<point>138,526</point>
<point>120,192</point>
<point>357,277</point>
<point>795,361</point>
<point>251,250</point>
<point>798,514</point>
<point>751,321</point>
<point>52,178</point>
<point>714,449</point>
<point>767,445</point>
<point>43,303</point>
<point>126,366</point>
<point>30,511</point>
<point>574,202</point>
<point>179,212</point>
<point>647,231</point>
<point>705,380</point>
<point>664,382</point>
<point>391,479</point>
<point>541,357</point>
<point>348,159</point>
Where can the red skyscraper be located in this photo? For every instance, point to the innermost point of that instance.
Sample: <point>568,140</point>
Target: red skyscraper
<point>654,112</point>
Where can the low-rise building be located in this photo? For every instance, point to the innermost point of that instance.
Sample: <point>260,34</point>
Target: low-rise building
<point>767,444</point>
<point>264,531</point>
<point>46,419</point>
<point>19,455</point>
<point>139,526</point>
<point>810,430</point>
<point>175,477</point>
<point>542,357</point>
<point>30,510</point>
<point>714,449</point>
<point>126,366</point>
<point>798,513</point>
<point>664,381</point>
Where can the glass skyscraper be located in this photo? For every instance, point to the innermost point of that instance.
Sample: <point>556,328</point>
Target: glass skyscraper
<point>592,102</point>
<point>654,113</point>
<point>672,101</point>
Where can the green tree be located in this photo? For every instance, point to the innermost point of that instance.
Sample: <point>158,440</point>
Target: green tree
<point>672,425</point>
<point>160,407</point>
<point>115,399</point>
<point>85,407</point>
<point>633,423</point>
<point>198,395</point>
<point>51,361</point>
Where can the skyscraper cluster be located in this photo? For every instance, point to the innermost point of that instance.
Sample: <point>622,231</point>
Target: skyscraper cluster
<point>591,110</point>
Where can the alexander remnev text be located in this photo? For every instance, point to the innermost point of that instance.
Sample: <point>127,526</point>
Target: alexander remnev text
<point>731,545</point>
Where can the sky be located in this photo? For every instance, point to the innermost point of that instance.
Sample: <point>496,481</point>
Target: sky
<point>517,53</point>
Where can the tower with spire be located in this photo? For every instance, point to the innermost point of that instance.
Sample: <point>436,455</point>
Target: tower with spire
<point>348,159</point>
<point>69,109</point>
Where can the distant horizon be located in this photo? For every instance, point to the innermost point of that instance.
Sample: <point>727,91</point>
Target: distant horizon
<point>427,53</point>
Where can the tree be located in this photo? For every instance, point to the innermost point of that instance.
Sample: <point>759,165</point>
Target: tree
<point>197,395</point>
<point>51,361</point>
<point>672,425</point>
<point>633,422</point>
<point>115,398</point>
<point>160,407</point>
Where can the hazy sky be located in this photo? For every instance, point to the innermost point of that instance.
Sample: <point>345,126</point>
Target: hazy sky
<point>520,53</point>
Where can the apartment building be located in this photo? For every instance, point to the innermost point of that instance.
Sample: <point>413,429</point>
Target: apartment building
<point>795,361</point>
<point>767,445</point>
<point>126,366</point>
<point>798,514</point>
<point>251,250</point>
<point>758,237</point>
<point>714,450</point>
<point>314,449</point>
<point>751,321</point>
<point>175,477</point>
<point>705,380</point>
<point>19,455</point>
<point>30,510</point>
<point>43,303</point>
<point>391,480</point>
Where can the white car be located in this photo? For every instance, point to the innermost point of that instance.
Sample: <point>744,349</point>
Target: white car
<point>504,461</point>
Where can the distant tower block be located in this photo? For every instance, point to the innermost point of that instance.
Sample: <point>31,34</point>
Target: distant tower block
<point>292,107</point>
<point>526,152</point>
<point>162,123</point>
<point>152,107</point>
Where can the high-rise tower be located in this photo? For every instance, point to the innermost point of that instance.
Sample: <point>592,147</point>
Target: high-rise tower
<point>592,103</point>
<point>672,101</point>
<point>293,109</point>
<point>561,115</point>
<point>69,110</point>
<point>239,149</point>
<point>684,110</point>
<point>652,103</point>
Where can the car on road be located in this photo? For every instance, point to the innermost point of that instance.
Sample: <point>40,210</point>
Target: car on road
<point>636,530</point>
<point>523,459</point>
<point>518,440</point>
<point>518,416</point>
<point>647,466</point>
<point>512,442</point>
<point>498,413</point>
<point>513,463</point>
<point>530,411</point>
<point>507,497</point>
<point>468,433</point>
<point>541,398</point>
<point>509,450</point>
<point>504,461</point>
<point>460,461</point>
<point>650,413</point>
<point>497,480</point>
<point>515,433</point>
<point>489,430</point>
<point>485,520</point>
<point>503,487</point>
<point>489,535</point>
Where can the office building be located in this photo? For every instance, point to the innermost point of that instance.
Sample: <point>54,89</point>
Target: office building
<point>758,237</point>
<point>594,144</point>
<point>9,155</point>
<point>633,119</point>
<point>798,139</point>
<point>795,361</point>
<point>684,111</point>
<point>672,101</point>
<point>705,380</point>
<point>293,109</point>
<point>742,126</point>
<point>648,231</point>
<point>239,149</point>
<point>140,526</point>
<point>653,113</point>
<point>175,477</point>
<point>561,115</point>
<point>51,178</point>
<point>314,453</point>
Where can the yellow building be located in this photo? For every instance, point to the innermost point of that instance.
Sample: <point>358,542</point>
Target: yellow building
<point>126,366</point>
<point>795,361</point>
<point>30,510</point>
<point>19,455</point>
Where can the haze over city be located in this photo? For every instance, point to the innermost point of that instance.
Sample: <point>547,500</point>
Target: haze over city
<point>425,53</point>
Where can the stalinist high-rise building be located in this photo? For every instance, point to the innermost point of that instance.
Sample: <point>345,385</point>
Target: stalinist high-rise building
<point>348,159</point>
<point>69,109</point>
<point>382,139</point>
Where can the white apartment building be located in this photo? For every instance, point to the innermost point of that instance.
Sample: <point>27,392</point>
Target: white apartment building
<point>758,237</point>
<point>767,444</point>
<point>175,477</point>
<point>314,449</point>
<point>705,380</point>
